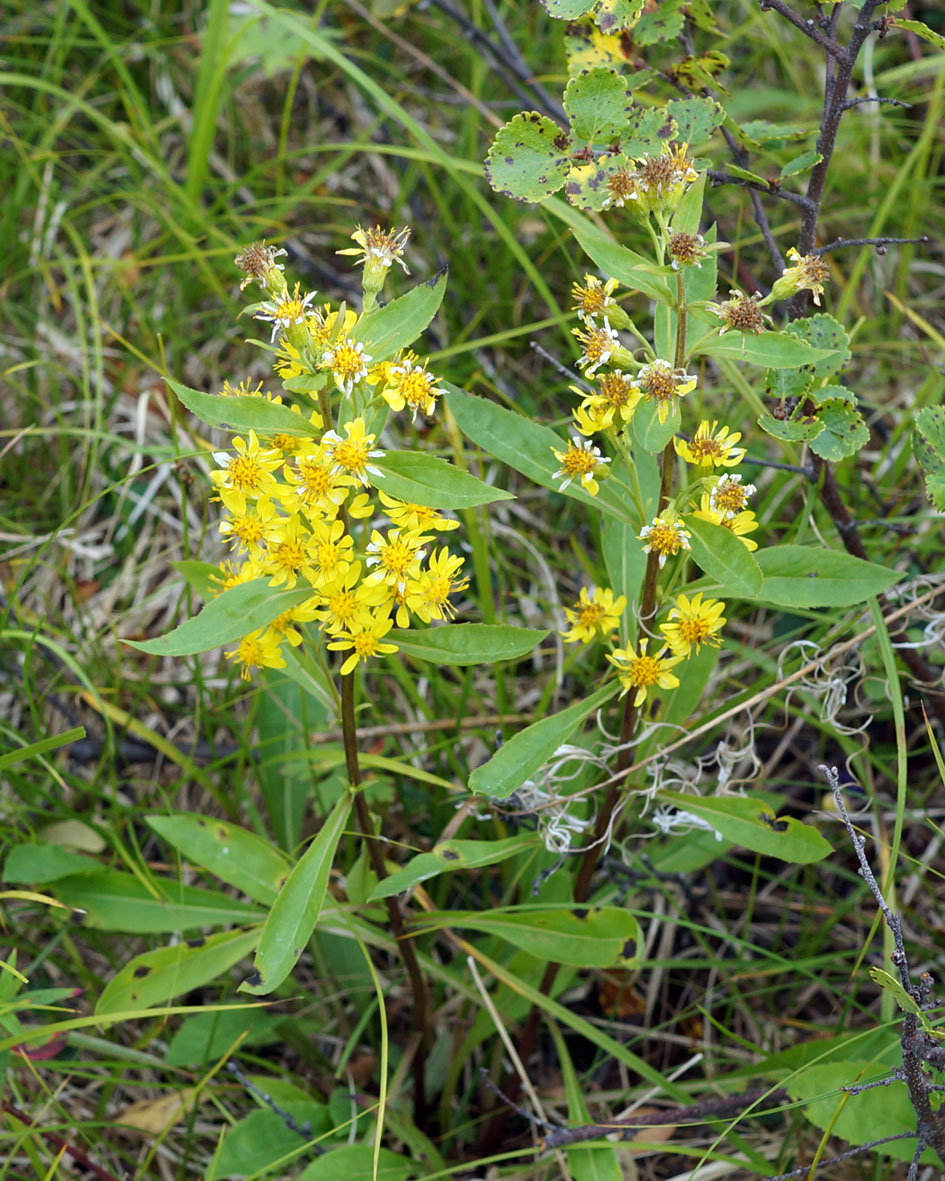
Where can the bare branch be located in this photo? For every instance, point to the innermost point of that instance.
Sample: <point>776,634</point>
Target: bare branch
<point>875,98</point>
<point>878,242</point>
<point>806,26</point>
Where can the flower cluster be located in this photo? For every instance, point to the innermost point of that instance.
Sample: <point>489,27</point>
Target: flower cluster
<point>300,507</point>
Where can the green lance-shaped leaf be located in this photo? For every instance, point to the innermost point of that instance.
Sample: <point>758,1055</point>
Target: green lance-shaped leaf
<point>649,432</point>
<point>295,912</point>
<point>528,750</point>
<point>448,856</point>
<point>385,331</point>
<point>157,976</point>
<point>626,266</point>
<point>809,576</point>
<point>598,106</point>
<point>928,442</point>
<point>827,334</point>
<point>428,480</point>
<point>844,433</point>
<point>773,135</point>
<point>587,937</point>
<point>459,644</point>
<point>650,128</point>
<point>774,350</point>
<point>244,413</point>
<point>36,865</point>
<point>235,613</point>
<point>567,10</point>
<point>232,854</point>
<point>688,215</point>
<point>802,163</point>
<point>117,901</point>
<point>753,824</point>
<point>524,445</point>
<point>696,119</point>
<point>613,16</point>
<point>725,558</point>
<point>529,158</point>
<point>905,1002</point>
<point>790,430</point>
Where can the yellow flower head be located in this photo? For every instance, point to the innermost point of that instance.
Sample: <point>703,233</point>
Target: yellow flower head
<point>348,363</point>
<point>352,455</point>
<point>594,298</point>
<point>598,343</point>
<point>729,496</point>
<point>397,557</point>
<point>283,626</point>
<point>595,614</point>
<point>431,591</point>
<point>693,622</point>
<point>741,524</point>
<point>247,475</point>
<point>711,447</point>
<point>416,517</point>
<point>659,382</point>
<point>379,247</point>
<point>640,671</point>
<point>313,483</point>
<point>250,532</point>
<point>665,536</point>
<point>257,650</point>
<point>286,311</point>
<point>411,385</point>
<point>364,641</point>
<point>582,461</point>
<point>346,604</point>
<point>288,554</point>
<point>330,550</point>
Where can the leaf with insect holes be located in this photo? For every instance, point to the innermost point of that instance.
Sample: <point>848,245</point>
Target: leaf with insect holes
<point>529,158</point>
<point>928,443</point>
<point>844,433</point>
<point>696,119</point>
<point>598,106</point>
<point>613,16</point>
<point>650,128</point>
<point>587,186</point>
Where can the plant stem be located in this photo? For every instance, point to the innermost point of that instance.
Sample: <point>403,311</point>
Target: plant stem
<point>419,1017</point>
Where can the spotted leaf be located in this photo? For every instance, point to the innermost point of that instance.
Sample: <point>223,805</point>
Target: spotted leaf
<point>613,16</point>
<point>597,105</point>
<point>529,158</point>
<point>844,431</point>
<point>587,185</point>
<point>650,128</point>
<point>663,22</point>
<point>696,118</point>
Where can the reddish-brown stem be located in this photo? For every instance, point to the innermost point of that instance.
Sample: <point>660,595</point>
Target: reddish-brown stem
<point>404,946</point>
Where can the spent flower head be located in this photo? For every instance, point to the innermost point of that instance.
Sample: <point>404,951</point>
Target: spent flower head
<point>258,263</point>
<point>809,273</point>
<point>665,537</point>
<point>741,313</point>
<point>582,461</point>
<point>378,250</point>
<point>595,614</point>
<point>711,447</point>
<point>693,622</point>
<point>640,671</point>
<point>686,250</point>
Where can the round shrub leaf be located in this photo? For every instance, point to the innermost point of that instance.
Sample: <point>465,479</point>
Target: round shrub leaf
<point>529,158</point>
